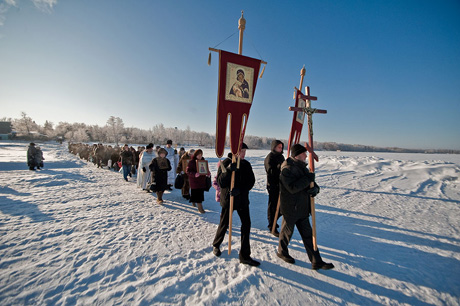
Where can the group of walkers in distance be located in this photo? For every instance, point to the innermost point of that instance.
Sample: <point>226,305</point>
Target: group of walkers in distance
<point>288,182</point>
<point>34,157</point>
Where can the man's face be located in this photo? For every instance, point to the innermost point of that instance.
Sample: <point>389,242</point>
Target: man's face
<point>126,148</point>
<point>242,153</point>
<point>279,148</point>
<point>302,157</point>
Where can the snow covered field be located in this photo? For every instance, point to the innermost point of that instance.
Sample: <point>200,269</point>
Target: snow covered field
<point>74,234</point>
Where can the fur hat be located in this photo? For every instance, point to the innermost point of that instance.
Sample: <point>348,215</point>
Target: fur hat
<point>297,149</point>
<point>162,150</point>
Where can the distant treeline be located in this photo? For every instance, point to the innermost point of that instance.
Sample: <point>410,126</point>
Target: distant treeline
<point>115,132</point>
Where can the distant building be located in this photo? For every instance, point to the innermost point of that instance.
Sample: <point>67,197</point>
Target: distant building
<point>5,130</point>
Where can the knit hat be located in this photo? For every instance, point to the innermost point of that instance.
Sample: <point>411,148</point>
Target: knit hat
<point>297,149</point>
<point>244,146</point>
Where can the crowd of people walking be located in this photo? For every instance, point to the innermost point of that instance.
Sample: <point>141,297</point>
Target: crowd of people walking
<point>290,187</point>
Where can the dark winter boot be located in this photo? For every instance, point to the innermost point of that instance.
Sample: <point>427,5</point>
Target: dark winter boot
<point>249,261</point>
<point>216,251</point>
<point>287,258</point>
<point>322,265</point>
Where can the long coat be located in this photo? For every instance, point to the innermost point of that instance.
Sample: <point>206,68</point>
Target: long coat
<point>31,153</point>
<point>244,181</point>
<point>195,182</point>
<point>144,162</point>
<point>160,174</point>
<point>295,181</point>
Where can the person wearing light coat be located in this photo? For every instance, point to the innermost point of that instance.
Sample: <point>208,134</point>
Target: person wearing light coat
<point>143,173</point>
<point>170,156</point>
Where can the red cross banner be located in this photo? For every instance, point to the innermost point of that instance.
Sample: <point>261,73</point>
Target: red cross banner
<point>297,120</point>
<point>237,84</point>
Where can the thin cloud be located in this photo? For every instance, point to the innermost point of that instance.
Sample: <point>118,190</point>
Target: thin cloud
<point>42,5</point>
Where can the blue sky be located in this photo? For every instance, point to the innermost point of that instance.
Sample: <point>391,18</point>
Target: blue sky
<point>388,72</point>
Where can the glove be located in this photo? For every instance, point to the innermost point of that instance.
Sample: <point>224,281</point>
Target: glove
<point>313,191</point>
<point>197,174</point>
<point>235,192</point>
<point>143,169</point>
<point>232,167</point>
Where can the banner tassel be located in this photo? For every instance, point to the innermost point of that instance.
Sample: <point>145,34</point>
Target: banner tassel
<point>209,59</point>
<point>262,73</point>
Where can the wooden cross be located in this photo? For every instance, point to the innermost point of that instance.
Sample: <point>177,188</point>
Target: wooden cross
<point>309,111</point>
<point>312,156</point>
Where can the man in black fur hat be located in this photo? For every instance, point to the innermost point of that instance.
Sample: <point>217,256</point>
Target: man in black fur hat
<point>295,193</point>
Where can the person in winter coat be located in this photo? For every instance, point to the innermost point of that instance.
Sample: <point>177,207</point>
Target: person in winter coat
<point>244,181</point>
<point>197,181</point>
<point>127,160</point>
<point>272,163</point>
<point>99,153</point>
<point>170,156</point>
<point>181,168</point>
<point>159,168</point>
<point>295,181</point>
<point>39,158</point>
<point>143,173</point>
<point>31,153</point>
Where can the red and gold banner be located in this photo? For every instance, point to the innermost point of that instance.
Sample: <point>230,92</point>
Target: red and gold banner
<point>237,84</point>
<point>297,121</point>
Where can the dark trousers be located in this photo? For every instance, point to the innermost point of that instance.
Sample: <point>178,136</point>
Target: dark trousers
<point>273,195</point>
<point>245,218</point>
<point>304,228</point>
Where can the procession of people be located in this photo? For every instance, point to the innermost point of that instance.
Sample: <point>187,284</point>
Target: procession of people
<point>288,182</point>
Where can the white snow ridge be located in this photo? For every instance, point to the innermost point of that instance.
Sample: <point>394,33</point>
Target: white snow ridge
<point>72,234</point>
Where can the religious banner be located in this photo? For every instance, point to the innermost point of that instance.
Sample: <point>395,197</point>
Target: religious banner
<point>237,83</point>
<point>297,120</point>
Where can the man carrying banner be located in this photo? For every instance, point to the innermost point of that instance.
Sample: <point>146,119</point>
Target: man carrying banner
<point>295,192</point>
<point>244,181</point>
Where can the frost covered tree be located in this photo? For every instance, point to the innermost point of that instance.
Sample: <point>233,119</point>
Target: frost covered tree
<point>116,127</point>
<point>24,125</point>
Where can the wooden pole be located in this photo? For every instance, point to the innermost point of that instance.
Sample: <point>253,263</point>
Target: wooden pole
<point>241,27</point>
<point>311,163</point>
<point>275,221</point>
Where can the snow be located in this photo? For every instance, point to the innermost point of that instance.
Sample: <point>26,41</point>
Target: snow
<point>74,234</point>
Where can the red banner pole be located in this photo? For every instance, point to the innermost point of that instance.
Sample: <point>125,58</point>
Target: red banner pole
<point>241,27</point>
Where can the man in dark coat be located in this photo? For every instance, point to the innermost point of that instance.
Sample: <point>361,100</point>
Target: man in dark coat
<point>295,181</point>
<point>127,160</point>
<point>272,164</point>
<point>31,154</point>
<point>244,181</point>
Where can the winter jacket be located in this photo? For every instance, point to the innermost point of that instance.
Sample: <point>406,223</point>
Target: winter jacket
<point>184,159</point>
<point>127,158</point>
<point>159,176</point>
<point>272,165</point>
<point>295,180</point>
<point>244,181</point>
<point>31,153</point>
<point>195,182</point>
